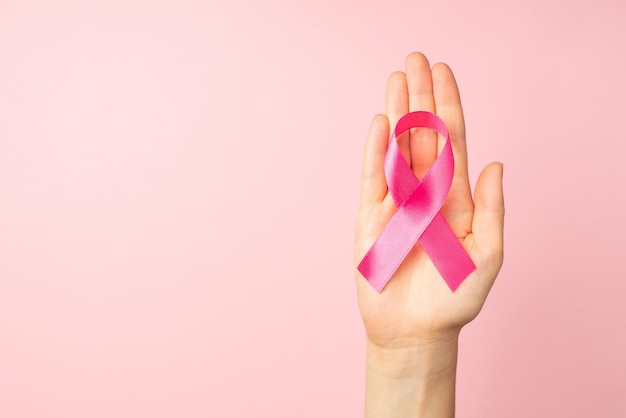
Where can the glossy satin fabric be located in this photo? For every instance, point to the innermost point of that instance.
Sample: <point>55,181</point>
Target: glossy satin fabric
<point>418,216</point>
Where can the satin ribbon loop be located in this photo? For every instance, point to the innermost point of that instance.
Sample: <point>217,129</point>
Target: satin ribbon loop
<point>418,216</point>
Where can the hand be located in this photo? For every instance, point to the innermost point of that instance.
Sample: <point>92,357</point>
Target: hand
<point>417,307</point>
<point>412,326</point>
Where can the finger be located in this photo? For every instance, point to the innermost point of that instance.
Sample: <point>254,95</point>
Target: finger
<point>423,142</point>
<point>488,223</point>
<point>396,106</point>
<point>448,106</point>
<point>373,184</point>
<point>458,208</point>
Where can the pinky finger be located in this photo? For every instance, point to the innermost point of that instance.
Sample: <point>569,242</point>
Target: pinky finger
<point>373,185</point>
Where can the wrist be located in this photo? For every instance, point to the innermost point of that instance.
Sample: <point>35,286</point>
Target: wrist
<point>414,358</point>
<point>412,379</point>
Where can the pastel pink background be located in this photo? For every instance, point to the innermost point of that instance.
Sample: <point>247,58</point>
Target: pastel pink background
<point>179,181</point>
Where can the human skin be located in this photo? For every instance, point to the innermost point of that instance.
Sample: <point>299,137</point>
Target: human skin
<point>413,325</point>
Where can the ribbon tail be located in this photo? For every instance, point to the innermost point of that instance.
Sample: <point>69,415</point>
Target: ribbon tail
<point>451,260</point>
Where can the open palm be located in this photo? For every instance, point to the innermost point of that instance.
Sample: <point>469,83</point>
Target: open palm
<point>417,305</point>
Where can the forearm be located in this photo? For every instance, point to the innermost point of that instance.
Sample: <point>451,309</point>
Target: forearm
<point>414,381</point>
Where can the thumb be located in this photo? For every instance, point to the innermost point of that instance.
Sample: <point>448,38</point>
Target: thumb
<point>488,222</point>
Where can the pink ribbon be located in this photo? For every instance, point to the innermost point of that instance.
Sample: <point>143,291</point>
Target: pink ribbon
<point>418,216</point>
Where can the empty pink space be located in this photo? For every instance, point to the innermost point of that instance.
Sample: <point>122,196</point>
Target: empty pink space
<point>179,183</point>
